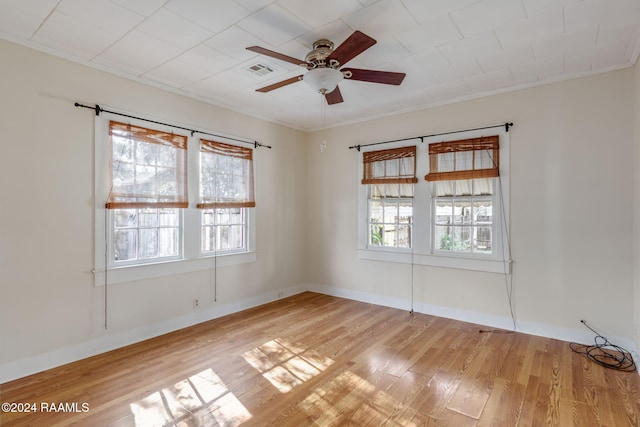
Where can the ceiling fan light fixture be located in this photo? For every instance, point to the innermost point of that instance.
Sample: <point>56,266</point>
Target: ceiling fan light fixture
<point>323,80</point>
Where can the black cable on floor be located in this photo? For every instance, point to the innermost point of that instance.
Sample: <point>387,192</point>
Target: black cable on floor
<point>605,354</point>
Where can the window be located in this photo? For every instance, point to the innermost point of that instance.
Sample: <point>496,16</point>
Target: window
<point>464,175</point>
<point>147,225</point>
<point>389,176</point>
<point>148,188</point>
<point>456,217</point>
<point>226,190</point>
<point>463,216</point>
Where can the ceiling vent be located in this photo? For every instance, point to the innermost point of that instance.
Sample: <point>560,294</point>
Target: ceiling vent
<point>260,69</point>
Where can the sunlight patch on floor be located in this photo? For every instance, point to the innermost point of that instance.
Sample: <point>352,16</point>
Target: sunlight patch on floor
<point>350,397</point>
<point>286,365</point>
<point>202,398</point>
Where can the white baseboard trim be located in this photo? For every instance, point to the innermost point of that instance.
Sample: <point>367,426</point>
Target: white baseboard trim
<point>31,365</point>
<point>532,328</point>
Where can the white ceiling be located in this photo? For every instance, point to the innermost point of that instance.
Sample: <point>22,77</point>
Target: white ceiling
<point>449,49</point>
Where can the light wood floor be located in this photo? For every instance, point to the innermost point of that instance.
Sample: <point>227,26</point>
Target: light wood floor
<point>317,360</point>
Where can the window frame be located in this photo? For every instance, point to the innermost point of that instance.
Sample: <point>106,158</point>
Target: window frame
<point>191,258</point>
<point>422,251</point>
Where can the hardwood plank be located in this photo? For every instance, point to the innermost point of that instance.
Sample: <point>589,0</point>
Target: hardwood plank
<point>314,359</point>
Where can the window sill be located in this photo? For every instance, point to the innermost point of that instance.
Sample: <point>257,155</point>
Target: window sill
<point>131,273</point>
<point>487,265</point>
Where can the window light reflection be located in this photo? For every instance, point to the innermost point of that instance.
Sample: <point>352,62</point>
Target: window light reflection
<point>286,365</point>
<point>351,394</point>
<point>202,398</point>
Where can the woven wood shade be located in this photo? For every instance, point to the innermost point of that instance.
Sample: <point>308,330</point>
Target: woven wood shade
<point>464,159</point>
<point>393,166</point>
<point>226,176</point>
<point>148,168</point>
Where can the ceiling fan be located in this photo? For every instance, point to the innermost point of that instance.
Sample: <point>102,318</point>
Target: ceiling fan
<point>323,64</point>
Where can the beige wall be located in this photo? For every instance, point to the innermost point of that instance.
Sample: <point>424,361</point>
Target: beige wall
<point>636,203</point>
<point>48,301</point>
<point>571,214</point>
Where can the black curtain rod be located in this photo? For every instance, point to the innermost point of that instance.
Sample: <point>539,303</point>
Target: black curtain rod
<point>506,128</point>
<point>99,110</point>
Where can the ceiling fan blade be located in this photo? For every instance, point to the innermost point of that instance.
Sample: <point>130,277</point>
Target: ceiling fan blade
<point>280,56</point>
<point>353,46</point>
<point>280,84</point>
<point>373,76</point>
<point>334,97</point>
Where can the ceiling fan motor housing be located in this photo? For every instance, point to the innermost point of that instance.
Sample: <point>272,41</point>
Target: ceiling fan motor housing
<point>317,57</point>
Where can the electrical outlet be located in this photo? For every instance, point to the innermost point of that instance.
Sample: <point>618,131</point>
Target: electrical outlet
<point>196,303</point>
<point>280,294</point>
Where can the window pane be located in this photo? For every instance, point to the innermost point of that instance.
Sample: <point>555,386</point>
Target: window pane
<point>482,239</point>
<point>376,232</point>
<point>375,211</point>
<point>145,180</point>
<point>390,213</point>
<point>125,245</point>
<point>236,237</point>
<point>148,218</point>
<point>169,217</point>
<point>443,211</point>
<point>166,156</point>
<point>145,153</point>
<point>148,242</point>
<point>207,216</point>
<point>406,213</point>
<point>462,239</point>
<point>122,150</point>
<point>461,212</point>
<point>126,218</point>
<point>222,216</point>
<point>167,241</point>
<point>404,236</point>
<point>235,216</point>
<point>443,240</point>
<point>389,236</point>
<point>483,212</point>
<point>207,239</point>
<point>223,230</point>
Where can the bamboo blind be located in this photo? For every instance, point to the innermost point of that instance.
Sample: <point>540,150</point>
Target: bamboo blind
<point>392,166</point>
<point>464,159</point>
<point>229,187</point>
<point>155,179</point>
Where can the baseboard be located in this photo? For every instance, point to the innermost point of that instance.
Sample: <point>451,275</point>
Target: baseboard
<point>576,335</point>
<point>31,365</point>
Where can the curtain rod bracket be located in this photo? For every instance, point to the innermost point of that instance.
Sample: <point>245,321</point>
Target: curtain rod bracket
<point>98,110</point>
<point>507,126</point>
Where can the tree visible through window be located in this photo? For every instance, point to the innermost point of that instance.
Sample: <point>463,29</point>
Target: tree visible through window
<point>148,188</point>
<point>226,190</point>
